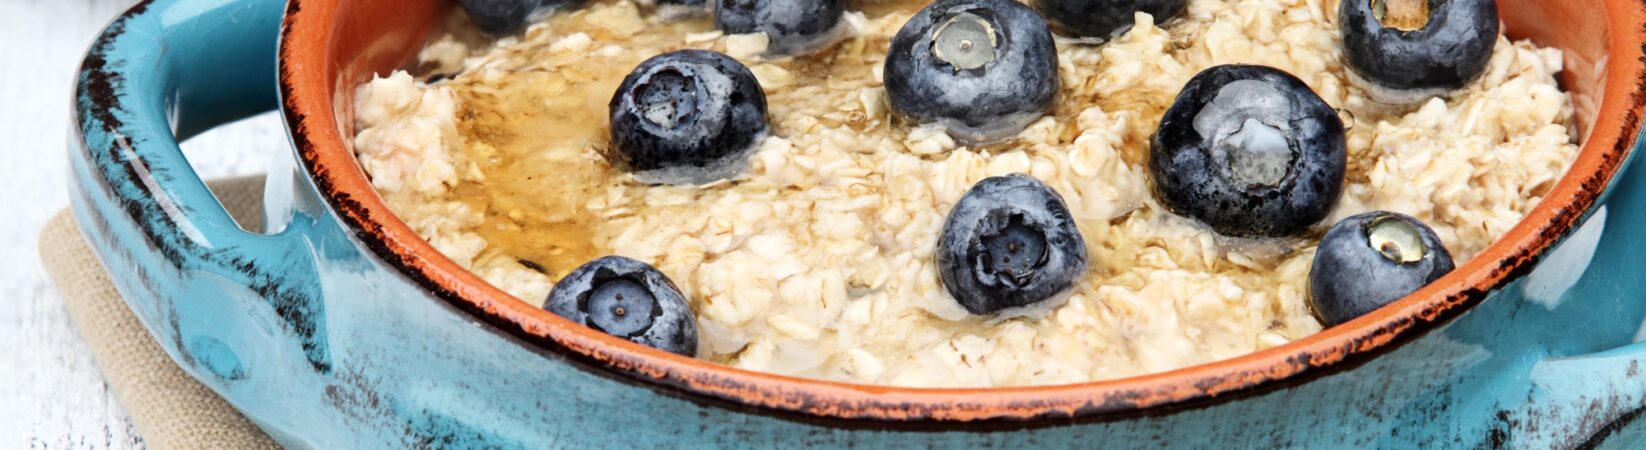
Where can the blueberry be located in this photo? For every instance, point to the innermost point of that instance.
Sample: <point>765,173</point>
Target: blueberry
<point>794,26</point>
<point>508,16</point>
<point>983,69</point>
<point>1369,260</point>
<point>628,299</point>
<point>1249,151</point>
<point>688,116</point>
<point>1009,243</point>
<point>1104,18</point>
<point>1410,50</point>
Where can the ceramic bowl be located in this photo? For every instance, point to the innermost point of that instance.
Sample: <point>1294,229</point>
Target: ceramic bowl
<point>338,327</point>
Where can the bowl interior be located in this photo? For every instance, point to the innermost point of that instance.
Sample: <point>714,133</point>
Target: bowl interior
<point>1581,34</point>
<point>331,46</point>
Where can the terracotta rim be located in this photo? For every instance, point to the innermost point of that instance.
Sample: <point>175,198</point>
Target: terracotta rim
<point>305,76</point>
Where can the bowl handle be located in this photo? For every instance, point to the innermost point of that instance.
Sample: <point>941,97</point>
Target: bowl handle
<point>215,296</point>
<point>1593,287</point>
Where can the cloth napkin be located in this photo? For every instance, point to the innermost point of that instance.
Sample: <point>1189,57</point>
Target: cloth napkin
<point>169,408</point>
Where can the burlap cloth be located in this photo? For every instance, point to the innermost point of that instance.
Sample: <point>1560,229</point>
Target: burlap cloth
<point>169,409</point>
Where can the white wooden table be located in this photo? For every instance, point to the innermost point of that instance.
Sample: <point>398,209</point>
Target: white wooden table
<point>51,395</point>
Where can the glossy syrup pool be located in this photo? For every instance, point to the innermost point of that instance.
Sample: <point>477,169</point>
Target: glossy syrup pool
<point>538,134</point>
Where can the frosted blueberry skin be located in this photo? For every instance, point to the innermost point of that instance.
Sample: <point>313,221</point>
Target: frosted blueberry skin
<point>627,299</point>
<point>794,26</point>
<point>1104,18</point>
<point>976,105</point>
<point>1190,180</point>
<point>688,116</point>
<point>508,16</point>
<point>1446,54</point>
<point>1351,277</point>
<point>1009,242</point>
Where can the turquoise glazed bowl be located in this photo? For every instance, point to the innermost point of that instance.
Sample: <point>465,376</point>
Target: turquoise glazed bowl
<point>340,328</point>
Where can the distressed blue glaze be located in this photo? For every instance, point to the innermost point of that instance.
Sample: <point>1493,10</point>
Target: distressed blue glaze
<point>325,346</point>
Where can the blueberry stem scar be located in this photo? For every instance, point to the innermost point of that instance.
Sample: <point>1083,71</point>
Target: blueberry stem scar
<point>1403,15</point>
<point>966,41</point>
<point>666,99</point>
<point>1396,239</point>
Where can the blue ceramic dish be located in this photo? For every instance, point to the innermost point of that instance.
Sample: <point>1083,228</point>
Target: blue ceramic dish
<point>341,329</point>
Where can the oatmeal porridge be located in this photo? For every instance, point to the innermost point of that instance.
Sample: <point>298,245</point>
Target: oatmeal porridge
<point>817,258</point>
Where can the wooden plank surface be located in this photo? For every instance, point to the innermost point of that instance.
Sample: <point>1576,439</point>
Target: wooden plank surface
<point>51,395</point>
